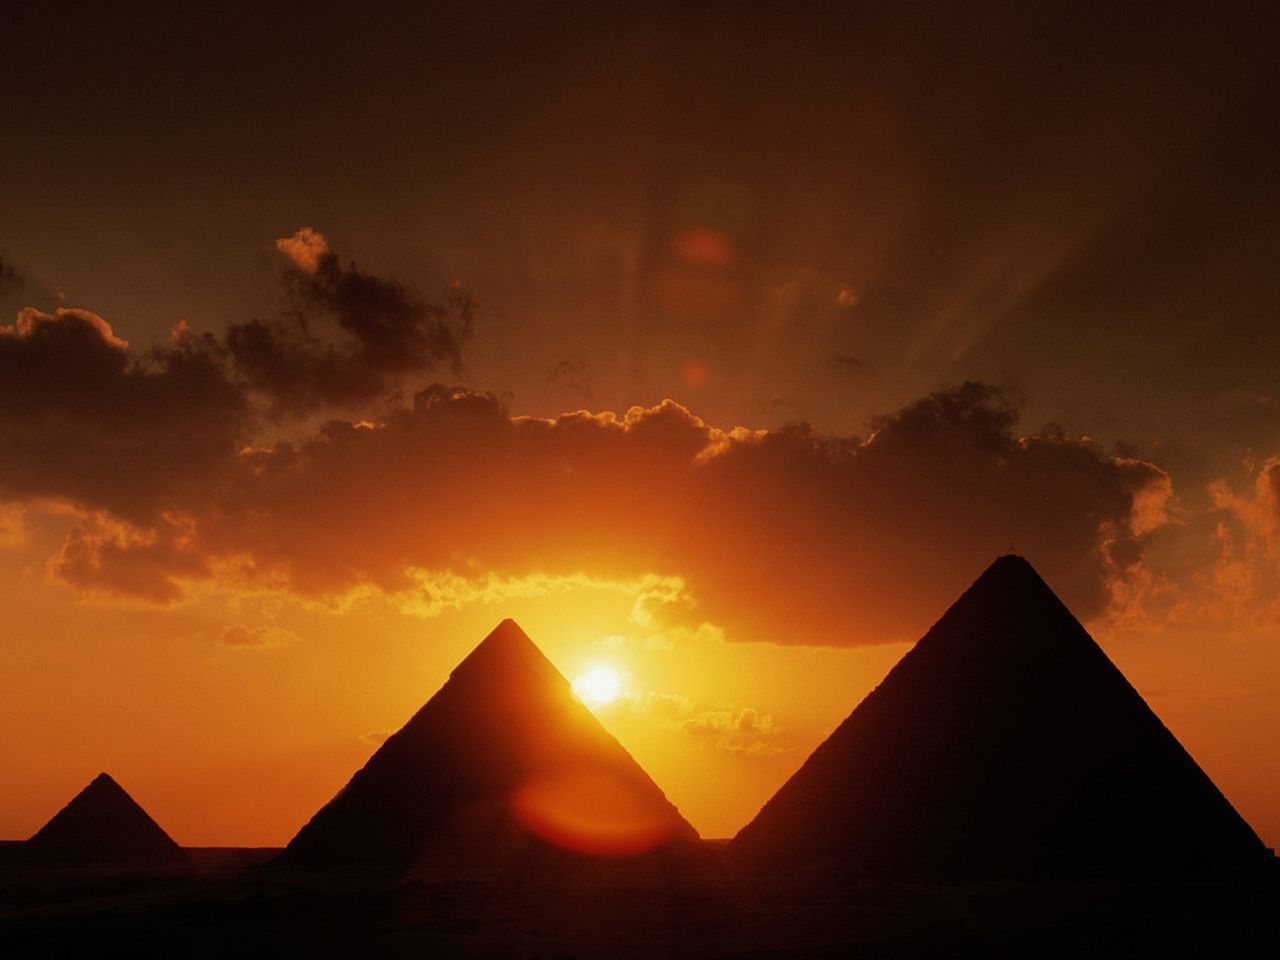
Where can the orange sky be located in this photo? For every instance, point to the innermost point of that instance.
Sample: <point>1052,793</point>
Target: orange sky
<point>725,351</point>
<point>236,711</point>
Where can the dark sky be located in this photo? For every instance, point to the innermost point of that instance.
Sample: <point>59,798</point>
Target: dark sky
<point>1080,204</point>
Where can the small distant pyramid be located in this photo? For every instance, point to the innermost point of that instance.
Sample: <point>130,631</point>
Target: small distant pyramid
<point>502,759</point>
<point>103,825</point>
<point>1005,744</point>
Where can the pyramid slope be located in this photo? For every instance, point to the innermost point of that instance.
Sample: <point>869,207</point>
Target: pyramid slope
<point>1005,744</point>
<point>103,825</point>
<point>441,789</point>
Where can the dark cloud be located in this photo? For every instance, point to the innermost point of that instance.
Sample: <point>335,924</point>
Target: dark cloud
<point>10,279</point>
<point>571,376</point>
<point>384,330</point>
<point>106,557</point>
<point>845,363</point>
<point>1271,483</point>
<point>786,535</point>
<point>82,419</point>
<point>136,435</point>
<point>297,372</point>
<point>395,330</point>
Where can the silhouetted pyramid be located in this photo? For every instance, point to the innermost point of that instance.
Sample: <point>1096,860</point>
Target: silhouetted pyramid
<point>503,757</point>
<point>103,825</point>
<point>1005,744</point>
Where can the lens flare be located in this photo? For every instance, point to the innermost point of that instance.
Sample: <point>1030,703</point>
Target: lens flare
<point>694,373</point>
<point>704,247</point>
<point>592,812</point>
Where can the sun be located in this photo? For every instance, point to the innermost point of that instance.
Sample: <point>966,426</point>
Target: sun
<point>598,686</point>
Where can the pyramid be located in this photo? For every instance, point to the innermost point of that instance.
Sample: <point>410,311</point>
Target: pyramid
<point>1004,745</point>
<point>503,758</point>
<point>103,825</point>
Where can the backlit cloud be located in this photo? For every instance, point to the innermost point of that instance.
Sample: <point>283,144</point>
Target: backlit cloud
<point>84,419</point>
<point>735,730</point>
<point>104,556</point>
<point>306,249</point>
<point>349,335</point>
<point>12,525</point>
<point>258,637</point>
<point>786,535</point>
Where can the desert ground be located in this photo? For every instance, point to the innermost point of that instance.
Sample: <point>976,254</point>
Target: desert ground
<point>227,901</point>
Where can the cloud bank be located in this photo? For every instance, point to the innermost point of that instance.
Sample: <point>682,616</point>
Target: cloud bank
<point>84,419</point>
<point>786,535</point>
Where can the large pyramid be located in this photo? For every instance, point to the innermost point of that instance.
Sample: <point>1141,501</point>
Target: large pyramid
<point>103,825</point>
<point>1005,744</point>
<point>502,760</point>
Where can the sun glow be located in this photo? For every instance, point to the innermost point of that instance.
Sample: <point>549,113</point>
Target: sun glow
<point>598,686</point>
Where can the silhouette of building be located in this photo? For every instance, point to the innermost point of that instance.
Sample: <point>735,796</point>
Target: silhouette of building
<point>1005,744</point>
<point>503,758</point>
<point>102,825</point>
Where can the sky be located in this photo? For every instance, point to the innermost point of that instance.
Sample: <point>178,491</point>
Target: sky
<point>719,346</point>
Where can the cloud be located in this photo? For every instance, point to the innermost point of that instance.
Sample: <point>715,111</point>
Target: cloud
<point>725,727</point>
<point>1243,586</point>
<point>136,436</point>
<point>784,535</point>
<point>1258,510</point>
<point>10,279</point>
<point>571,376</point>
<point>82,419</point>
<point>107,557</point>
<point>260,637</point>
<point>349,336</point>
<point>738,730</point>
<point>12,525</point>
<point>306,248</point>
<point>68,329</point>
<point>1217,568</point>
<point>432,592</point>
<point>670,706</point>
<point>845,363</point>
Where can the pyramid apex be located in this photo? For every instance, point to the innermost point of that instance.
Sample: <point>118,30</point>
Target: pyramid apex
<point>1011,561</point>
<point>103,785</point>
<point>1009,570</point>
<point>507,632</point>
<point>506,651</point>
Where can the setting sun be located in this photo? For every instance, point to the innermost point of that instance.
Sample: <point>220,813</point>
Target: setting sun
<point>598,686</point>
